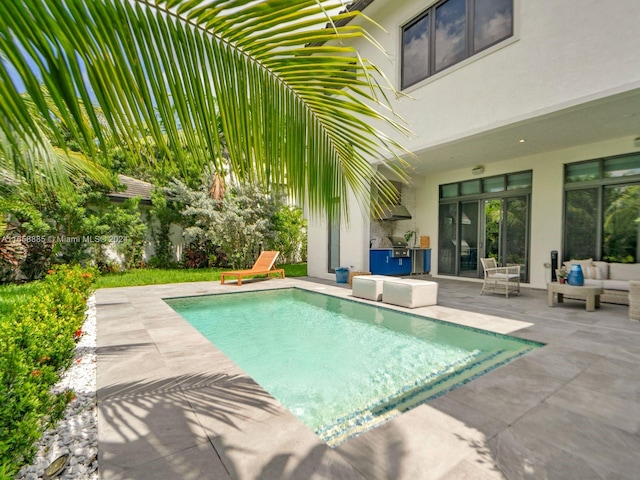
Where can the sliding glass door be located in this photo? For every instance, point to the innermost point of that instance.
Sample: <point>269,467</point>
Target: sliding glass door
<point>492,227</point>
<point>484,217</point>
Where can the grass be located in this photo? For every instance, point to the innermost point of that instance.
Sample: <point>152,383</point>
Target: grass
<point>158,276</point>
<point>15,295</point>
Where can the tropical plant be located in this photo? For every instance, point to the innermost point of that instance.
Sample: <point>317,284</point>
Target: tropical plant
<point>290,239</point>
<point>236,225</point>
<point>298,110</point>
<point>127,232</point>
<point>163,215</point>
<point>36,344</point>
<point>39,161</point>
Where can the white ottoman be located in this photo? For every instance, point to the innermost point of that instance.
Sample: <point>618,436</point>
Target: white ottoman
<point>369,286</point>
<point>410,293</point>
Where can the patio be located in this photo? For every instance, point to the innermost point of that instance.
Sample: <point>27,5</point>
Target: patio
<point>171,405</point>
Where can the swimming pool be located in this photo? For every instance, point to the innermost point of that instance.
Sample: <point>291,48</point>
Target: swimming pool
<point>339,365</point>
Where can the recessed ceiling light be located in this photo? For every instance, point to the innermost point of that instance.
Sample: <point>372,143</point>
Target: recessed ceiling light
<point>522,140</point>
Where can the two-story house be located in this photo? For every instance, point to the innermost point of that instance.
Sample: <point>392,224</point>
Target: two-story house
<point>526,117</point>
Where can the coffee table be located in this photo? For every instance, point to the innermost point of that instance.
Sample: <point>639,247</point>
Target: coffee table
<point>592,294</point>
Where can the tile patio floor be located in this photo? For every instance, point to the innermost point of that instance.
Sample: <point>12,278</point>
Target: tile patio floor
<point>172,406</point>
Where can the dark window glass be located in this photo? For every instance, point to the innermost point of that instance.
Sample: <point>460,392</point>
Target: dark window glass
<point>581,228</point>
<point>449,191</point>
<point>334,244</point>
<point>448,229</point>
<point>621,211</point>
<point>582,172</point>
<point>493,184</point>
<point>516,233</point>
<point>492,22</point>
<point>471,187</point>
<point>622,166</point>
<point>451,37</point>
<point>516,181</point>
<point>415,51</point>
<point>457,32</point>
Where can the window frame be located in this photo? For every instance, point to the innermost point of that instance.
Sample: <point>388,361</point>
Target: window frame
<point>599,184</point>
<point>470,50</point>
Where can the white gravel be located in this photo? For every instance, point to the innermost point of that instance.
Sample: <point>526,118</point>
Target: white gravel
<point>77,433</point>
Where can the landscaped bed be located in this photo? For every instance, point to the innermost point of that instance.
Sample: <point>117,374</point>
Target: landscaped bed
<point>38,333</point>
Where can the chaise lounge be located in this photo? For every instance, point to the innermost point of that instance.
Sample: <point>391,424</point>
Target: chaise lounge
<point>264,265</point>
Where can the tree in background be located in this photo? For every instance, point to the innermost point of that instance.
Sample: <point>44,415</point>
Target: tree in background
<point>234,228</point>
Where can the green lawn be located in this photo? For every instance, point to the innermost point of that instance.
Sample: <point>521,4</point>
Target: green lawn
<point>12,295</point>
<point>158,276</point>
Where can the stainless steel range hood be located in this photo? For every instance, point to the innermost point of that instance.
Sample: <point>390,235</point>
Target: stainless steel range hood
<point>395,212</point>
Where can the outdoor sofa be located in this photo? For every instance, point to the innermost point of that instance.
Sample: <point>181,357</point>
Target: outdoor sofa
<point>613,277</point>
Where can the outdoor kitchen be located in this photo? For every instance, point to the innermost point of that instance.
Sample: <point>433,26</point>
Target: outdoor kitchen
<point>395,247</point>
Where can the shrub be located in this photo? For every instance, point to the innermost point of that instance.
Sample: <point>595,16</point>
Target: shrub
<point>36,344</point>
<point>290,228</point>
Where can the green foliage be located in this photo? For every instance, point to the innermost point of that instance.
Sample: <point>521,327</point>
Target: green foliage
<point>296,107</point>
<point>67,226</point>
<point>36,344</point>
<point>620,225</point>
<point>232,230</point>
<point>290,239</point>
<point>127,230</point>
<point>163,214</point>
<point>23,254</point>
<point>75,216</point>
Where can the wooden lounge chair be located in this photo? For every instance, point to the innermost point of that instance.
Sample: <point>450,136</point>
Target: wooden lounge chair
<point>264,266</point>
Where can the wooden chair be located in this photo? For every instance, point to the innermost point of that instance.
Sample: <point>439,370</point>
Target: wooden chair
<point>264,266</point>
<point>500,279</point>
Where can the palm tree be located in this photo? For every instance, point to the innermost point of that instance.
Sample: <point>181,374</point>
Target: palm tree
<point>298,109</point>
<point>34,164</point>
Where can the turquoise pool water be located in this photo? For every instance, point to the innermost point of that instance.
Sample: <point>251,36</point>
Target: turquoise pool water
<point>342,366</point>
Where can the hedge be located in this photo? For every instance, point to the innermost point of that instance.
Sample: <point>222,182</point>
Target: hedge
<point>37,342</point>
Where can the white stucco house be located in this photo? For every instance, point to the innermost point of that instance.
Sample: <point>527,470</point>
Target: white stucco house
<point>526,117</point>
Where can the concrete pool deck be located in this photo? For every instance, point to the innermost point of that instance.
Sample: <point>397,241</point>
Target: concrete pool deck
<point>172,406</point>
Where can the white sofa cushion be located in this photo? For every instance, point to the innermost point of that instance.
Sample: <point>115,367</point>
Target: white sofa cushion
<point>622,285</point>
<point>604,269</point>
<point>589,282</point>
<point>624,271</point>
<point>583,263</point>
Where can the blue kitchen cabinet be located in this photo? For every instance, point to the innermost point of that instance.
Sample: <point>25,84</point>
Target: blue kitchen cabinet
<point>382,263</point>
<point>427,260</point>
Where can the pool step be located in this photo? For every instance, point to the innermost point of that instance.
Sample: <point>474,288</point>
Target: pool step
<point>416,393</point>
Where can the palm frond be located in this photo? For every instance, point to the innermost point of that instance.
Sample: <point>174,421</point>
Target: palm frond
<point>297,108</point>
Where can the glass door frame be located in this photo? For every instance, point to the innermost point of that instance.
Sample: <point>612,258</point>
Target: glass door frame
<point>481,200</point>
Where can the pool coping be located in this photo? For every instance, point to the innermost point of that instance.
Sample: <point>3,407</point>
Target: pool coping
<point>170,409</point>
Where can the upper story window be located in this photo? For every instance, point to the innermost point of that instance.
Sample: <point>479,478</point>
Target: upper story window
<point>451,31</point>
<point>487,185</point>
